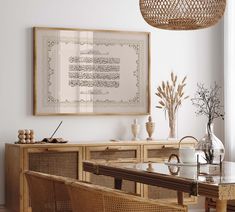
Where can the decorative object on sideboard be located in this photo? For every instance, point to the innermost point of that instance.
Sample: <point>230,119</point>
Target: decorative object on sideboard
<point>182,14</point>
<point>150,127</point>
<point>55,140</point>
<point>135,129</point>
<point>208,103</point>
<point>26,136</point>
<point>171,97</point>
<point>89,74</point>
<point>150,167</point>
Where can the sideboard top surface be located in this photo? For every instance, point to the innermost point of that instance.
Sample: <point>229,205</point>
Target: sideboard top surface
<point>97,143</point>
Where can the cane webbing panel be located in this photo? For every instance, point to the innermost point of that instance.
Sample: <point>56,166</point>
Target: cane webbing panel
<point>61,163</point>
<point>155,192</point>
<point>85,200</point>
<point>94,198</point>
<point>113,155</point>
<point>182,14</point>
<point>161,153</point>
<point>117,204</point>
<point>160,193</point>
<point>128,186</point>
<point>47,195</point>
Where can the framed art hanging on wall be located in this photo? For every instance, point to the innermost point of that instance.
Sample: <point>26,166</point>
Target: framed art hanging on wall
<point>91,72</point>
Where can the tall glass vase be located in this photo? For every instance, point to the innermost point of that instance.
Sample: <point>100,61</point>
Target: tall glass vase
<point>210,148</point>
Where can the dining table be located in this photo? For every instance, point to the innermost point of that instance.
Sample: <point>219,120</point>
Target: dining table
<point>209,180</point>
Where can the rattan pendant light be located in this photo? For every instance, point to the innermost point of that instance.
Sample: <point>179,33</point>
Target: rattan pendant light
<point>182,14</point>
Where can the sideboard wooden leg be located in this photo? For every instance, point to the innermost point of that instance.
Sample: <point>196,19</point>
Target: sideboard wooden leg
<point>221,205</point>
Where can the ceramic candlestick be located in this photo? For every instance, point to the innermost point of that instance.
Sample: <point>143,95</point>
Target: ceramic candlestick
<point>135,129</point>
<point>150,126</point>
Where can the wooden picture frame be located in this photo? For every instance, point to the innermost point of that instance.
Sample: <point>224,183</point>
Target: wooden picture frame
<point>91,72</point>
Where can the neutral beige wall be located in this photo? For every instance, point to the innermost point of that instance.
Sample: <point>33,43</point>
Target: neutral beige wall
<point>197,54</point>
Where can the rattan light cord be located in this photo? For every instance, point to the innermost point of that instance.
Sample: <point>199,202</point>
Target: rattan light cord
<point>182,14</point>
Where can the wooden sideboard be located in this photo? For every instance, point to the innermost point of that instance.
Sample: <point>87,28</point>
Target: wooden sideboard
<point>66,160</point>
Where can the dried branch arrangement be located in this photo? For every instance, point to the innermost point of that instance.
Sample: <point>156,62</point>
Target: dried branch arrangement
<point>171,94</point>
<point>208,103</point>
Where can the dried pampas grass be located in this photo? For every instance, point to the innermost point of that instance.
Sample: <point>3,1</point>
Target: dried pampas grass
<point>171,97</point>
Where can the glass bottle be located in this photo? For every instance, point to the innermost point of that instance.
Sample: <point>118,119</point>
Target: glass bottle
<point>210,148</point>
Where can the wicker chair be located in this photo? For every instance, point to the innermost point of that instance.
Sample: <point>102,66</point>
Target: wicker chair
<point>93,198</point>
<point>48,193</point>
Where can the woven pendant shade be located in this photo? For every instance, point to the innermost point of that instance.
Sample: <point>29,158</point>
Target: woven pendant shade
<point>182,14</point>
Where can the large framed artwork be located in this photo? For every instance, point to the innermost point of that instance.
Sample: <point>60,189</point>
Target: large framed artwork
<point>91,72</point>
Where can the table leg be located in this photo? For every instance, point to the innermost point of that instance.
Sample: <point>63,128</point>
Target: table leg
<point>180,197</point>
<point>118,183</point>
<point>221,205</point>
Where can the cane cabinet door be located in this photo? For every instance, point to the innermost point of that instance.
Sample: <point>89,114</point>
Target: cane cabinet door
<point>113,153</point>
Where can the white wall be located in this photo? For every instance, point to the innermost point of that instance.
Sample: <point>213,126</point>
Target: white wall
<point>229,79</point>
<point>197,54</point>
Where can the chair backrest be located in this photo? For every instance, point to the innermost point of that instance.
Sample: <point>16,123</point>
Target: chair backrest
<point>92,198</point>
<point>48,193</point>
